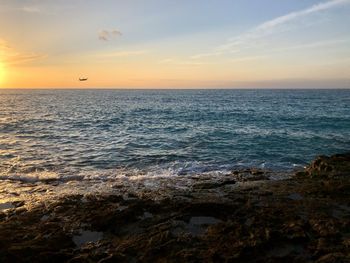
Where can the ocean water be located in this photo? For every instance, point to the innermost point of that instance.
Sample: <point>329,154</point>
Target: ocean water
<point>101,134</point>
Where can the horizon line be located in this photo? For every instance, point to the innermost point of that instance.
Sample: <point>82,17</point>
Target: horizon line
<point>181,88</point>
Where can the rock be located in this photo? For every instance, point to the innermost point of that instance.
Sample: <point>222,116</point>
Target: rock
<point>253,174</point>
<point>292,220</point>
<point>21,210</point>
<point>18,203</point>
<point>329,167</point>
<point>212,185</point>
<point>333,258</point>
<point>2,215</point>
<point>295,196</point>
<point>257,177</point>
<point>301,174</point>
<point>113,258</point>
<point>324,228</point>
<point>256,172</point>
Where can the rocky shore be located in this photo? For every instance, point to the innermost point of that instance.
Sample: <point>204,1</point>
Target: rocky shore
<point>302,219</point>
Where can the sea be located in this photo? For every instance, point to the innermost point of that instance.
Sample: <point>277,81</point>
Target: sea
<point>99,136</point>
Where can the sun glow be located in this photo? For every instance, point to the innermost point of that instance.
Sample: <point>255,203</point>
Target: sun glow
<point>2,73</point>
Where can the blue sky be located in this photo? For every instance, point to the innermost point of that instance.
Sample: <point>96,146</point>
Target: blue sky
<point>166,43</point>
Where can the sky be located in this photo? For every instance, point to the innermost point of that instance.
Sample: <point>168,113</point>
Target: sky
<point>175,44</point>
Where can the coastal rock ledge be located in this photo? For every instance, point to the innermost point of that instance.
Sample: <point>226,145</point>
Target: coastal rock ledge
<point>305,218</point>
<point>329,167</point>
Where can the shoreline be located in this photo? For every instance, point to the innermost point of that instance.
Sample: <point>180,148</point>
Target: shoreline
<point>43,187</point>
<point>305,218</point>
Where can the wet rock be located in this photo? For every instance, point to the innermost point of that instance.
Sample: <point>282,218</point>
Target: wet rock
<point>112,258</point>
<point>18,203</point>
<point>322,244</point>
<point>212,185</point>
<point>283,250</point>
<point>329,167</point>
<point>21,210</point>
<point>303,219</point>
<point>295,196</point>
<point>59,209</point>
<point>256,172</point>
<point>334,258</point>
<point>6,205</point>
<point>2,215</point>
<point>294,230</point>
<point>323,227</point>
<point>86,236</point>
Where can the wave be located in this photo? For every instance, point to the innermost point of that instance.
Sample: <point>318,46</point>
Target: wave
<point>174,169</point>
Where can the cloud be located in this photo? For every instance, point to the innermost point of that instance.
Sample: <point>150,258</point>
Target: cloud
<point>22,58</point>
<point>205,55</point>
<point>278,24</point>
<point>106,35</point>
<point>31,9</point>
<point>249,58</point>
<point>125,53</point>
<point>267,28</point>
<point>178,62</point>
<point>315,44</point>
<point>295,15</point>
<point>19,8</point>
<point>10,56</point>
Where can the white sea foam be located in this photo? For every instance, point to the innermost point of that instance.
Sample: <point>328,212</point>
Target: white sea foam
<point>44,186</point>
<point>173,170</point>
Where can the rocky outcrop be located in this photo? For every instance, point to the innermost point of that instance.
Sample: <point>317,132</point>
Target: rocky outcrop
<point>302,219</point>
<point>328,167</point>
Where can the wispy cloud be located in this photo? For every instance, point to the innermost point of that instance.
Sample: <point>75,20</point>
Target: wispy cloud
<point>124,53</point>
<point>278,24</point>
<point>22,58</point>
<point>248,58</point>
<point>317,44</point>
<point>31,9</point>
<point>313,45</point>
<point>106,35</point>
<point>205,55</point>
<point>295,15</point>
<point>179,62</point>
<point>302,46</point>
<point>10,56</point>
<point>166,61</point>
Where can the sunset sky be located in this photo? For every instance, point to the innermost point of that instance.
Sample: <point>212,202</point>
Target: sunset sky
<point>175,44</point>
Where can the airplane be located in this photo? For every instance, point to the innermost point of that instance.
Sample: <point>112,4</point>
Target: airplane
<point>83,79</point>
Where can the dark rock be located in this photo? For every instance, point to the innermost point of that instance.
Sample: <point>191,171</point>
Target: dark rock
<point>295,196</point>
<point>2,215</point>
<point>303,219</point>
<point>334,258</point>
<point>256,172</point>
<point>18,203</point>
<point>329,167</point>
<point>211,185</point>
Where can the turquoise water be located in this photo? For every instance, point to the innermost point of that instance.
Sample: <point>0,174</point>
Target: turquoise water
<point>176,132</point>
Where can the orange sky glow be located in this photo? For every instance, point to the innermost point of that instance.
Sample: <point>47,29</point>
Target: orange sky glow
<point>46,44</point>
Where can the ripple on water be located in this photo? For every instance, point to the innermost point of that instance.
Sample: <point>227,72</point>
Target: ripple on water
<point>64,137</point>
